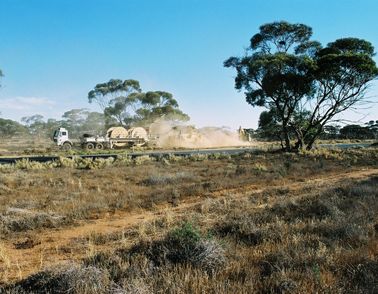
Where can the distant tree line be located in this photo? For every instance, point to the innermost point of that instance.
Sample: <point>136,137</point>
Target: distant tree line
<point>269,129</point>
<point>78,121</point>
<point>122,103</point>
<point>353,131</point>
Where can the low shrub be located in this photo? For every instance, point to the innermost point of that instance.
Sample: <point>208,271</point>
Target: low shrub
<point>198,157</point>
<point>70,278</point>
<point>219,156</point>
<point>66,162</point>
<point>303,209</point>
<point>139,160</point>
<point>19,222</point>
<point>165,179</point>
<point>174,158</point>
<point>184,245</point>
<point>27,164</point>
<point>259,167</point>
<point>361,277</point>
<point>243,230</point>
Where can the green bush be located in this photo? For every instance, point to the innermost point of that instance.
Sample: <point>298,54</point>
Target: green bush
<point>71,278</point>
<point>123,159</point>
<point>198,157</point>
<point>27,164</point>
<point>143,159</point>
<point>184,245</point>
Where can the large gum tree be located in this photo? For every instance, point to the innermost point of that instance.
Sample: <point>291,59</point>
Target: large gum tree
<point>124,103</point>
<point>303,84</point>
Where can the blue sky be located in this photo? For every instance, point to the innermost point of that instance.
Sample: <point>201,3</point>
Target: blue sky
<point>53,52</point>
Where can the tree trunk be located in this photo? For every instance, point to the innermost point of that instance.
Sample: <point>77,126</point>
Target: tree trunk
<point>300,139</point>
<point>286,138</point>
<point>299,144</point>
<point>313,139</point>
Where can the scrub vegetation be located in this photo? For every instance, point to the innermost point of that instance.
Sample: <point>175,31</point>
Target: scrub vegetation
<point>192,225</point>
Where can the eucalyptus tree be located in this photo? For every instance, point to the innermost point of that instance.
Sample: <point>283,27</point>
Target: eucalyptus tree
<point>9,128</point>
<point>305,84</point>
<point>81,120</point>
<point>118,99</point>
<point>344,70</point>
<point>123,102</point>
<point>275,73</point>
<point>158,104</point>
<point>34,123</point>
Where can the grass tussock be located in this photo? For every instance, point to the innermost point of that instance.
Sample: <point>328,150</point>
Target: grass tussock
<point>306,238</point>
<point>132,270</point>
<point>80,188</point>
<point>19,220</point>
<point>70,278</point>
<point>314,241</point>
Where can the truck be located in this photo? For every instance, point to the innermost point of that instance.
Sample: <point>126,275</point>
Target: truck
<point>116,137</point>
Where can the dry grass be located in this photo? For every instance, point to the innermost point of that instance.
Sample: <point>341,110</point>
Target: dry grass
<point>238,236</point>
<point>25,145</point>
<point>51,198</point>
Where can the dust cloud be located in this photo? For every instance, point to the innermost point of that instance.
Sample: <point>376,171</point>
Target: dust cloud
<point>172,134</point>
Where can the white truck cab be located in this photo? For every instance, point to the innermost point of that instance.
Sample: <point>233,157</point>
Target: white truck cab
<point>61,138</point>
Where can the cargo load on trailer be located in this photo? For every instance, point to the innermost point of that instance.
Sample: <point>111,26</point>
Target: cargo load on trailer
<point>116,137</point>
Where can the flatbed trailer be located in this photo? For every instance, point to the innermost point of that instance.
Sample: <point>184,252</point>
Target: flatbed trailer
<point>110,143</point>
<point>116,137</point>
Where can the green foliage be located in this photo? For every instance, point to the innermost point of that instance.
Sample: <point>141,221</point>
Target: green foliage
<point>158,104</point>
<point>66,162</point>
<point>9,128</point>
<point>284,69</point>
<point>184,245</point>
<point>26,164</point>
<point>198,157</point>
<point>34,123</point>
<point>84,163</point>
<point>108,93</point>
<point>79,121</point>
<point>187,234</point>
<point>123,102</point>
<point>277,74</point>
<point>123,160</point>
<point>32,165</point>
<point>269,127</point>
<point>174,158</point>
<point>139,160</point>
<point>260,167</point>
<point>357,132</point>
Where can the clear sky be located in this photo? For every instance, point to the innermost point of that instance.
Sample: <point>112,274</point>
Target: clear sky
<point>52,52</point>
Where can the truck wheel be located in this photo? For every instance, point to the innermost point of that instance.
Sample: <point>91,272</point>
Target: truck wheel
<point>89,146</point>
<point>67,146</point>
<point>99,146</point>
<point>138,143</point>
